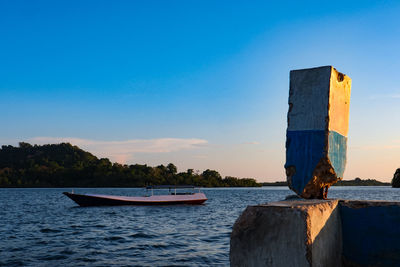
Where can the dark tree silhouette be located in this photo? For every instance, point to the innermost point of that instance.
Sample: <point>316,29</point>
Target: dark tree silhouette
<point>396,179</point>
<point>64,165</point>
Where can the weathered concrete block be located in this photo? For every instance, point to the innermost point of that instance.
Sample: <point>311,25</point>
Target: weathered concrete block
<point>371,233</point>
<point>288,233</point>
<point>316,140</point>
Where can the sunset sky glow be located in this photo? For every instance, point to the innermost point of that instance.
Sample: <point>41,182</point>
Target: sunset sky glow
<point>201,84</point>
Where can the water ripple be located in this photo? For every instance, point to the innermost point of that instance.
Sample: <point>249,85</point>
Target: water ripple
<point>39,232</point>
<point>114,238</point>
<point>48,230</point>
<point>142,235</point>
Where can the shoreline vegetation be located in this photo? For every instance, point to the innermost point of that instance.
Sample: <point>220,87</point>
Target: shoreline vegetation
<point>355,182</point>
<point>65,165</point>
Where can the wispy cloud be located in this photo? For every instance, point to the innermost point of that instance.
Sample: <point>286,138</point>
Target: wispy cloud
<point>385,96</point>
<point>251,143</point>
<point>200,156</point>
<point>377,147</point>
<point>122,151</point>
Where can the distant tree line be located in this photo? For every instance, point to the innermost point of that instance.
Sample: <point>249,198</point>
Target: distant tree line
<point>64,165</point>
<point>280,183</point>
<point>360,182</point>
<point>355,182</point>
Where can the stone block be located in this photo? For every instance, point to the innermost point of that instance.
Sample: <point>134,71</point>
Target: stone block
<point>288,233</point>
<point>371,232</point>
<point>316,139</point>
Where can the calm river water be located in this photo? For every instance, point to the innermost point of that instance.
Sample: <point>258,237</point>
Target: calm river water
<point>42,227</point>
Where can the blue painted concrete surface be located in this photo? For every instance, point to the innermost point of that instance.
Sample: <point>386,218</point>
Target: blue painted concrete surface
<point>371,235</point>
<point>337,152</point>
<point>304,149</point>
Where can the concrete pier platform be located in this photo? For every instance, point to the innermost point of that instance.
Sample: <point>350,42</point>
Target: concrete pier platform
<point>317,233</point>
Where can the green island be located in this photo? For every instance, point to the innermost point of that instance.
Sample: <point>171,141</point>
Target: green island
<point>65,165</point>
<point>355,182</point>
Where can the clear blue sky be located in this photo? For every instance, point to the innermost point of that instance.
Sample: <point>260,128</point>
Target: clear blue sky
<point>121,78</point>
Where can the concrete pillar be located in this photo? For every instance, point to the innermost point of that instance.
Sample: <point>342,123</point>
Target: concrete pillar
<point>288,233</point>
<point>318,233</point>
<point>371,232</point>
<point>316,139</point>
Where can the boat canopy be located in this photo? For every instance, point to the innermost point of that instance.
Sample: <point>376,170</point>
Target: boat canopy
<point>170,186</point>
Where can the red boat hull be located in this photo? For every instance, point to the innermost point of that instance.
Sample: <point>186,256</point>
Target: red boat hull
<point>93,200</point>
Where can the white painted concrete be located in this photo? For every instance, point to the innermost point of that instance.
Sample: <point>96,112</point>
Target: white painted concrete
<point>288,233</point>
<point>319,99</point>
<point>339,102</point>
<point>309,99</point>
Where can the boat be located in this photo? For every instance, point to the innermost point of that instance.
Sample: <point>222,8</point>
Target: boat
<point>175,197</point>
